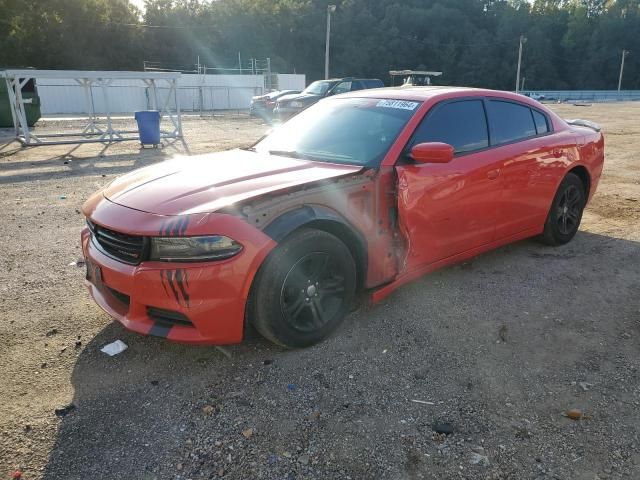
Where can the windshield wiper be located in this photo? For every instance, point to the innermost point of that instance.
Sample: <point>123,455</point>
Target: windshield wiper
<point>290,154</point>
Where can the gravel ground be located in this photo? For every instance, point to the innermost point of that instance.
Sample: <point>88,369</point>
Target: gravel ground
<point>494,351</point>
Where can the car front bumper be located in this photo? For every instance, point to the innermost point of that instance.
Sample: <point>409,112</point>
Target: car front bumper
<point>284,113</point>
<point>198,303</point>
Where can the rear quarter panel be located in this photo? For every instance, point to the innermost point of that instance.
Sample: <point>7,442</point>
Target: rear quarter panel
<point>590,147</point>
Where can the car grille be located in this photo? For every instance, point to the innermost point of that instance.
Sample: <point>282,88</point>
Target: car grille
<point>127,248</point>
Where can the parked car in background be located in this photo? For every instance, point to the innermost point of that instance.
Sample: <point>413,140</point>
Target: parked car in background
<point>535,96</point>
<point>289,105</point>
<point>361,192</point>
<point>263,105</point>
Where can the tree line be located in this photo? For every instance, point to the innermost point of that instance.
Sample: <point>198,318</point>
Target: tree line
<point>570,44</point>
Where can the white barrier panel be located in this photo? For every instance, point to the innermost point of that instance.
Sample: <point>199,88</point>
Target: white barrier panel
<point>195,93</point>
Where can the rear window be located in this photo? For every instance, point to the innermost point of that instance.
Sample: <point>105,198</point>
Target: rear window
<point>542,126</point>
<point>510,122</point>
<point>373,83</point>
<point>462,125</point>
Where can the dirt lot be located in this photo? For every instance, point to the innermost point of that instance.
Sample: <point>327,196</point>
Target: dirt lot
<point>498,348</point>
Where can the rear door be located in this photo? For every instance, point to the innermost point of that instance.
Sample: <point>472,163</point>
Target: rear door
<point>446,209</point>
<point>522,137</point>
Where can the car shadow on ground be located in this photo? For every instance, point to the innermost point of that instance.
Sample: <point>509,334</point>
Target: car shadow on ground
<point>492,339</point>
<point>71,165</point>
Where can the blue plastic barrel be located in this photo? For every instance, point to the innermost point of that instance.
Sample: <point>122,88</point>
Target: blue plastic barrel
<point>148,126</point>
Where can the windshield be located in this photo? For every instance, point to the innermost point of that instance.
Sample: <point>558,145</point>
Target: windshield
<point>354,131</point>
<point>318,88</point>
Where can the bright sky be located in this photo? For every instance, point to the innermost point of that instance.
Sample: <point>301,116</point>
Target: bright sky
<point>138,3</point>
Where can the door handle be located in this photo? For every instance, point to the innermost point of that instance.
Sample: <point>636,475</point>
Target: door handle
<point>493,174</point>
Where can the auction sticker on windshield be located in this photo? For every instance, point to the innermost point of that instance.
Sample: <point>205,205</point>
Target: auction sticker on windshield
<point>403,104</point>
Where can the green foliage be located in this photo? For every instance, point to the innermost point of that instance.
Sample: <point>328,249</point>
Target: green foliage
<point>570,43</point>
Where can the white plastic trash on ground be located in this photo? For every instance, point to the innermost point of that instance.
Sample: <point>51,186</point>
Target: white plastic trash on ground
<point>114,348</point>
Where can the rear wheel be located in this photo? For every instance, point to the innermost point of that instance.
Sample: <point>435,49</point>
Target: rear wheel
<point>304,289</point>
<point>565,214</point>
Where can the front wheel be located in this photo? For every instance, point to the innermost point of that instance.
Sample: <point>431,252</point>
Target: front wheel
<point>566,210</point>
<point>304,289</point>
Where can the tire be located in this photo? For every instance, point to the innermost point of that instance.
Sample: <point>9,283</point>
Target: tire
<point>565,213</point>
<point>304,289</point>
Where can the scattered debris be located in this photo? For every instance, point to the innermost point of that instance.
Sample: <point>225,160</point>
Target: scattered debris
<point>62,197</point>
<point>154,383</point>
<point>16,475</point>
<point>479,459</point>
<point>64,411</point>
<point>52,332</point>
<point>443,428</point>
<point>267,362</point>
<point>626,335</point>
<point>114,348</point>
<point>502,333</point>
<point>247,432</point>
<point>78,344</point>
<point>303,459</point>
<point>291,387</point>
<point>574,414</point>
<point>221,472</point>
<point>423,402</point>
<point>209,410</point>
<point>585,386</point>
<point>225,351</point>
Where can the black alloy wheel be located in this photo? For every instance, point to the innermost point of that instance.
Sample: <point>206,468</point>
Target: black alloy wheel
<point>312,292</point>
<point>304,289</point>
<point>565,214</point>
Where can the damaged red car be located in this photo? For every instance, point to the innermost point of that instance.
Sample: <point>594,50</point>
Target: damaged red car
<point>361,192</point>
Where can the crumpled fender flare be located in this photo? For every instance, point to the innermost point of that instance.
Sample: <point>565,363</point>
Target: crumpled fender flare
<point>279,228</point>
<point>289,221</point>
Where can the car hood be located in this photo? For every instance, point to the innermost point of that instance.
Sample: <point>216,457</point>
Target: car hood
<point>206,183</point>
<point>299,97</point>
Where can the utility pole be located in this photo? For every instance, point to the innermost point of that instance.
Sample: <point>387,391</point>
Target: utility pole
<point>330,9</point>
<point>624,54</point>
<point>523,40</point>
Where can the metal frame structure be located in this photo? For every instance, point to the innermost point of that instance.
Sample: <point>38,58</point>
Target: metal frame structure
<point>410,73</point>
<point>94,131</point>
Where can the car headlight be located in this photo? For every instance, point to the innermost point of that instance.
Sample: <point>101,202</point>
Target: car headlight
<point>193,249</point>
<point>297,104</point>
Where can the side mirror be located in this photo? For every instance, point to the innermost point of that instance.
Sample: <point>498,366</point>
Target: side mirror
<point>432,152</point>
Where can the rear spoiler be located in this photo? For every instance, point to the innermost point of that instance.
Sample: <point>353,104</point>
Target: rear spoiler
<point>584,123</point>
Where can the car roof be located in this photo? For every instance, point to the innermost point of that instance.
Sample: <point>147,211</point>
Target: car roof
<point>426,93</point>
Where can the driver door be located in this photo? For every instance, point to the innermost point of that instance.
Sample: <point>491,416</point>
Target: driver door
<point>446,209</point>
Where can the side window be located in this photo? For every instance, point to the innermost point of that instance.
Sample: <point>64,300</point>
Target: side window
<point>510,122</point>
<point>357,85</point>
<point>342,87</point>
<point>372,83</point>
<point>462,125</point>
<point>541,122</point>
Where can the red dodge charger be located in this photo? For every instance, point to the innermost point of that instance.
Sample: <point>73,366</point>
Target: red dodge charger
<point>362,191</point>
